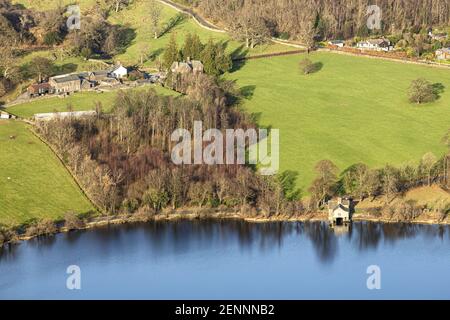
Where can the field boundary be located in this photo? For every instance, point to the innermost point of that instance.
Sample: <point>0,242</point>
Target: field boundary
<point>270,55</point>
<point>386,58</point>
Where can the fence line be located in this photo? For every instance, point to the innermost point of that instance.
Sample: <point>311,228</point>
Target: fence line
<point>381,56</point>
<point>269,55</point>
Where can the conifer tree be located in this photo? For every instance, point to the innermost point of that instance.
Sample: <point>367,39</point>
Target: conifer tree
<point>208,58</point>
<point>215,59</point>
<point>171,54</point>
<point>197,47</point>
<point>187,48</point>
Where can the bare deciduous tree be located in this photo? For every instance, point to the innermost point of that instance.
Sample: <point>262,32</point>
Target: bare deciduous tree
<point>155,17</point>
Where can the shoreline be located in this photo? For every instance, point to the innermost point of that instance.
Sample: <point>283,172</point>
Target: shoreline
<point>206,214</point>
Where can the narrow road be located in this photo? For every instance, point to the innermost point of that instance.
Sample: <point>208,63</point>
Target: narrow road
<point>208,25</point>
<point>200,20</point>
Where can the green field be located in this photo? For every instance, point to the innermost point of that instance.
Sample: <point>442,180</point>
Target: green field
<point>81,101</point>
<point>354,109</point>
<point>50,4</point>
<point>136,18</point>
<point>33,183</point>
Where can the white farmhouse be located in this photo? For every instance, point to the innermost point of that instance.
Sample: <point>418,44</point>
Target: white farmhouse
<point>6,115</point>
<point>376,45</point>
<point>337,43</point>
<point>443,54</point>
<point>119,72</point>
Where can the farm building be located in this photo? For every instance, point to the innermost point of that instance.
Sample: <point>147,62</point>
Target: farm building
<point>66,83</point>
<point>443,54</point>
<point>119,72</point>
<point>109,82</point>
<point>136,74</point>
<point>87,84</point>
<point>375,44</point>
<point>99,75</point>
<point>69,83</point>
<point>5,115</point>
<point>62,115</point>
<point>340,211</point>
<point>194,66</point>
<point>337,43</point>
<point>180,67</point>
<point>39,89</point>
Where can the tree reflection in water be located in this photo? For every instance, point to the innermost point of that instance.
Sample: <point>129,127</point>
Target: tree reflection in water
<point>164,238</point>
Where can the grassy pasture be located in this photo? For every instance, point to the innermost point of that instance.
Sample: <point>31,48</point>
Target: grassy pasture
<point>33,183</point>
<point>354,109</point>
<point>81,101</point>
<point>136,17</point>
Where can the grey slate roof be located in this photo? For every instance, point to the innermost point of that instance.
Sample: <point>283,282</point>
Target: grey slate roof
<point>70,77</point>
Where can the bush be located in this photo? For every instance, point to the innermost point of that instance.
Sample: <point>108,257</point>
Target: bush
<point>5,86</point>
<point>42,227</point>
<point>407,210</point>
<point>52,38</point>
<point>86,53</point>
<point>7,235</point>
<point>308,67</point>
<point>72,221</point>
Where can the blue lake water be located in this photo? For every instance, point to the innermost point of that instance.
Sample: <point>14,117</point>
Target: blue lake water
<point>232,260</point>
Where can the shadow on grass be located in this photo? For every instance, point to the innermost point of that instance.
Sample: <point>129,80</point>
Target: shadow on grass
<point>438,89</point>
<point>124,38</point>
<point>238,57</point>
<point>66,68</point>
<point>173,22</point>
<point>255,117</point>
<point>155,54</point>
<point>317,67</point>
<point>248,91</point>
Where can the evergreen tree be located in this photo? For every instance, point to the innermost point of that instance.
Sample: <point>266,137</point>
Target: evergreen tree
<point>171,54</point>
<point>197,47</point>
<point>215,59</point>
<point>187,48</point>
<point>208,58</point>
<point>223,61</point>
<point>192,48</point>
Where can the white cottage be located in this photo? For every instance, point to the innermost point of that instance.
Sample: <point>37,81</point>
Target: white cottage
<point>443,54</point>
<point>119,72</point>
<point>5,115</point>
<point>337,43</point>
<point>340,211</point>
<point>376,45</point>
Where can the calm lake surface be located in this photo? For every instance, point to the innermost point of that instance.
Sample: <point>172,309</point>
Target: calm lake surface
<point>232,260</point>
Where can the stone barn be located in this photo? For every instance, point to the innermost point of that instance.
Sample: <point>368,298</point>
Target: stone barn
<point>66,84</point>
<point>39,89</point>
